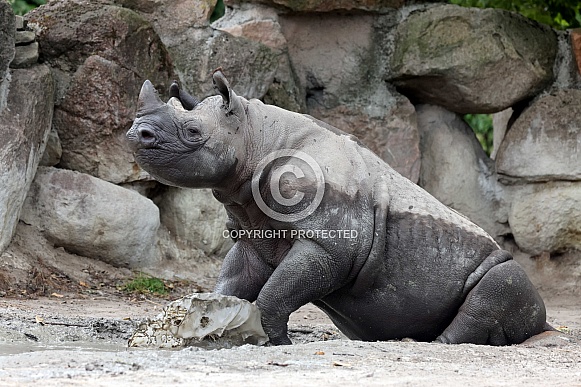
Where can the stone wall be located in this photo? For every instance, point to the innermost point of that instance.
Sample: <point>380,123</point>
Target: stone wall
<point>397,74</point>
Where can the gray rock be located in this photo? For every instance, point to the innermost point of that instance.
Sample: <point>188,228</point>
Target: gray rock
<point>285,91</point>
<point>197,50</point>
<point>457,171</point>
<point>24,37</point>
<point>69,31</point>
<point>472,60</point>
<point>385,122</point>
<point>91,118</point>
<point>250,64</point>
<point>328,6</point>
<point>543,143</point>
<point>24,127</point>
<point>261,24</point>
<point>7,28</point>
<point>254,22</point>
<point>500,123</point>
<point>331,56</point>
<point>101,54</point>
<point>340,75</point>
<point>93,218</point>
<point>25,56</point>
<point>195,219</point>
<point>53,150</point>
<point>172,19</point>
<point>4,87</point>
<point>567,69</point>
<point>20,23</point>
<point>546,217</point>
<point>177,256</point>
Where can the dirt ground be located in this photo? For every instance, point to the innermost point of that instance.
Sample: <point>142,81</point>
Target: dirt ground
<point>64,322</point>
<point>78,339</point>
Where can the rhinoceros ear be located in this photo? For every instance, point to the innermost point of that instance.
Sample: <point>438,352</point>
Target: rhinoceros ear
<point>221,84</point>
<point>148,99</point>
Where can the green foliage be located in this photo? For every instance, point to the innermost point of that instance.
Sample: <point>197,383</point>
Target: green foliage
<point>20,7</point>
<point>559,14</point>
<point>482,126</point>
<point>144,283</point>
<point>218,11</point>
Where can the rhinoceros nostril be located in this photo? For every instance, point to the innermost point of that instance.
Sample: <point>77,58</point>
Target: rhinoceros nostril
<point>146,135</point>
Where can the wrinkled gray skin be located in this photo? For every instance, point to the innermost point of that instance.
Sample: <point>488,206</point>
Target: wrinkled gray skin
<point>415,269</point>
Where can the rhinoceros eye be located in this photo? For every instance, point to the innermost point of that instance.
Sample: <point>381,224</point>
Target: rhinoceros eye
<point>190,134</point>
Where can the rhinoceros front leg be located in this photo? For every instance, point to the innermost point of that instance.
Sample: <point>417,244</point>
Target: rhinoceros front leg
<point>242,274</point>
<point>307,273</point>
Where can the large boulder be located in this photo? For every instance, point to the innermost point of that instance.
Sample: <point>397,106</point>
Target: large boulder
<point>195,219</point>
<point>172,19</point>
<point>385,122</point>
<point>255,22</point>
<point>543,143</point>
<point>546,217</point>
<point>92,118</point>
<point>327,5</point>
<point>457,171</point>
<point>472,60</point>
<point>25,56</point>
<point>100,54</point>
<point>250,65</point>
<point>331,56</point>
<point>198,49</point>
<point>339,71</point>
<point>7,30</point>
<point>24,128</point>
<point>93,218</point>
<point>261,24</point>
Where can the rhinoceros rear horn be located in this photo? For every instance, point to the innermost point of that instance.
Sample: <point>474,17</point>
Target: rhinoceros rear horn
<point>148,99</point>
<point>187,101</point>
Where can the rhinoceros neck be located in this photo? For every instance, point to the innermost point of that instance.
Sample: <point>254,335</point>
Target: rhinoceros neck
<point>275,129</point>
<point>268,130</point>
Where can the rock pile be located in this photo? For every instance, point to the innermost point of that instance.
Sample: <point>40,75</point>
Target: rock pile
<point>26,52</point>
<point>7,27</point>
<point>397,74</point>
<point>25,121</point>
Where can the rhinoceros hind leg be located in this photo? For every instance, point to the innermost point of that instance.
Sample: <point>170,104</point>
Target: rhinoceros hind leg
<point>503,308</point>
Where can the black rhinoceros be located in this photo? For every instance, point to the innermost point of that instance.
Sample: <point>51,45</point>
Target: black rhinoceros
<point>319,218</point>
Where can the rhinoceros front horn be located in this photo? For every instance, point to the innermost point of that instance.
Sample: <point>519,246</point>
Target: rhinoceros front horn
<point>148,99</point>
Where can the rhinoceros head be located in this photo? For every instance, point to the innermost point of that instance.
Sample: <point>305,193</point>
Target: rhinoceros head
<point>184,142</point>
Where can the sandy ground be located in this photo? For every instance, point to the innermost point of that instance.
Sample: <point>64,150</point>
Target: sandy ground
<point>79,335</point>
<point>74,341</point>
